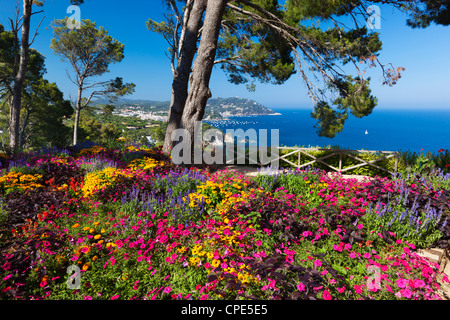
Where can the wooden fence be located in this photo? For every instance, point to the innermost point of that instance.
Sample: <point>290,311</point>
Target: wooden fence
<point>340,153</point>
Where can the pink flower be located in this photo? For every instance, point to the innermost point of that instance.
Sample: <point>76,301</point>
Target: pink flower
<point>307,233</point>
<point>406,293</point>
<point>419,283</point>
<point>167,289</point>
<point>341,290</point>
<point>337,248</point>
<point>115,297</point>
<point>401,283</point>
<point>136,285</point>
<point>358,289</point>
<point>317,263</point>
<point>389,288</point>
<point>360,226</point>
<point>258,243</point>
<point>352,255</point>
<point>367,255</point>
<point>326,295</point>
<point>348,246</point>
<point>7,277</point>
<point>301,287</point>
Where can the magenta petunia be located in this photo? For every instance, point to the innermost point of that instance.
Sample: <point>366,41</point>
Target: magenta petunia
<point>401,283</point>
<point>301,287</point>
<point>327,295</point>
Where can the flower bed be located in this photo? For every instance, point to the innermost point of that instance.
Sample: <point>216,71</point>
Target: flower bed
<point>137,227</point>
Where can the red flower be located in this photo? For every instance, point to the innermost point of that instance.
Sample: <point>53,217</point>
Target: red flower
<point>441,150</point>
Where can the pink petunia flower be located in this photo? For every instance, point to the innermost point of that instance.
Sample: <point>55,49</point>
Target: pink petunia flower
<point>301,287</point>
<point>341,290</point>
<point>418,283</point>
<point>358,289</point>
<point>406,293</point>
<point>401,283</point>
<point>327,295</point>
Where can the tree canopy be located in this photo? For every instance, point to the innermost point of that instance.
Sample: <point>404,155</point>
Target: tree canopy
<point>90,50</point>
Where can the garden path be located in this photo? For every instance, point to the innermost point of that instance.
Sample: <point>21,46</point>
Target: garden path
<point>253,171</point>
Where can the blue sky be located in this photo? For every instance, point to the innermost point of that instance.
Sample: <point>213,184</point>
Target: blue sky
<point>424,54</point>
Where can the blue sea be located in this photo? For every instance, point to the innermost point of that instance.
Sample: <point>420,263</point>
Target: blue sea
<point>387,130</point>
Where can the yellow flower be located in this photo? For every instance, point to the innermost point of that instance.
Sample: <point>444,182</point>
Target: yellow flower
<point>76,225</point>
<point>97,236</point>
<point>110,244</point>
<point>182,250</point>
<point>215,263</point>
<point>194,261</point>
<point>85,228</point>
<point>91,230</point>
<point>94,258</point>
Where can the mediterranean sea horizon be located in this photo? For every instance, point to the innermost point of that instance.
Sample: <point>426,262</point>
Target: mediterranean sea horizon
<point>384,130</point>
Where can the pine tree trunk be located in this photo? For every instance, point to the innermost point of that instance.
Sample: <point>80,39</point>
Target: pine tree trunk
<point>77,114</point>
<point>199,91</point>
<point>19,79</point>
<point>181,77</point>
<point>22,132</point>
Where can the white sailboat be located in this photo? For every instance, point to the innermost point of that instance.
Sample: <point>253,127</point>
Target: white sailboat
<point>367,132</point>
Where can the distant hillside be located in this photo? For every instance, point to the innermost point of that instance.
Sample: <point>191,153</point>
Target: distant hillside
<point>229,107</point>
<point>216,108</point>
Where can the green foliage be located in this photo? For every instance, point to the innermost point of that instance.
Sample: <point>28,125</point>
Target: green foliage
<point>90,50</point>
<point>428,11</point>
<point>43,104</point>
<point>93,130</point>
<point>354,97</point>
